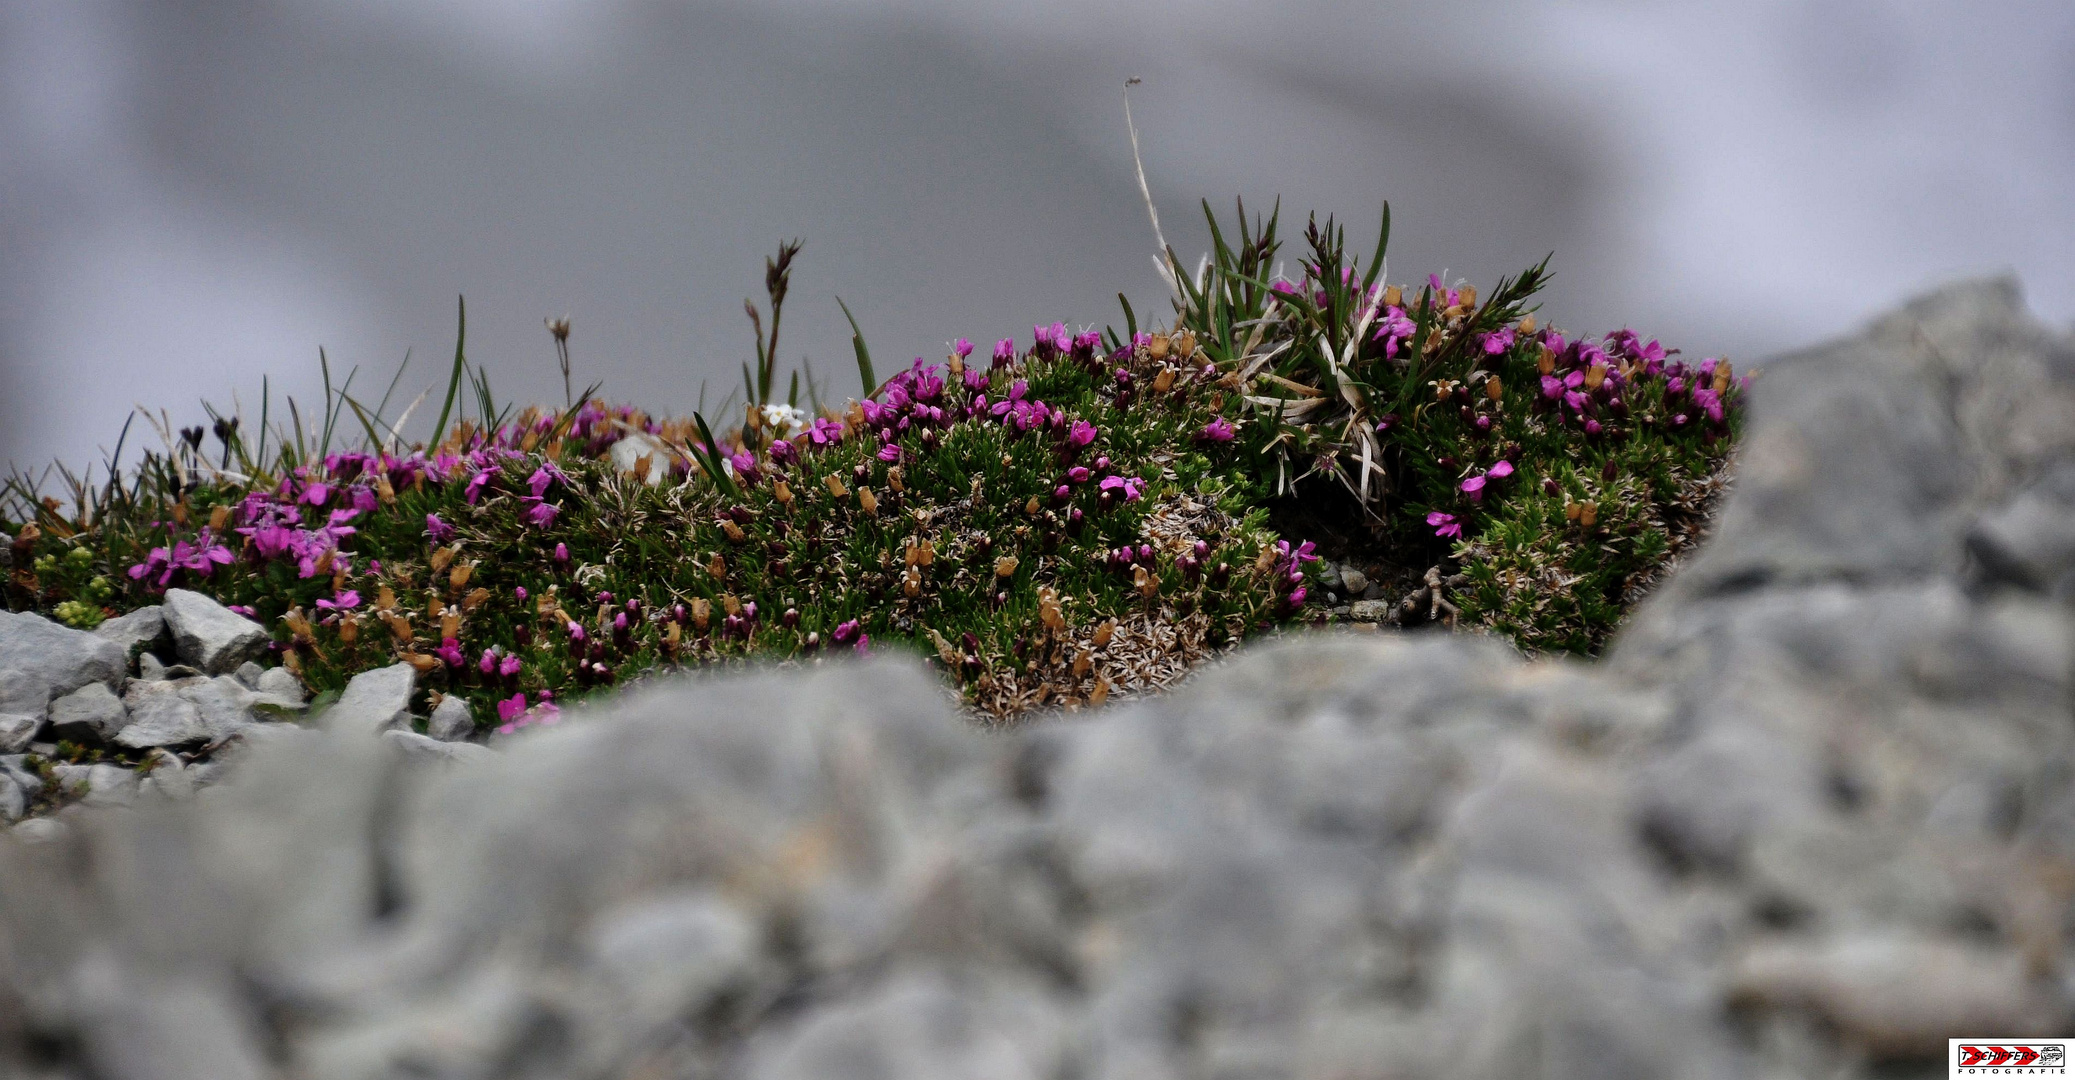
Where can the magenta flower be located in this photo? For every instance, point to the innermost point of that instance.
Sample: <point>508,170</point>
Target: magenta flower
<point>510,666</point>
<point>1081,434</point>
<point>561,552</point>
<point>520,593</point>
<point>1497,341</point>
<point>1445,525</point>
<point>511,709</point>
<point>541,513</point>
<point>1078,474</point>
<point>576,630</point>
<point>1474,488</point>
<point>1131,487</point>
<point>541,478</point>
<point>476,484</point>
<point>1219,430</point>
<point>1552,387</point>
<point>784,453</point>
<point>889,453</point>
<point>317,494</point>
<point>745,464</point>
<point>963,349</point>
<point>450,651</point>
<point>345,600</point>
<point>825,432</point>
<point>1297,596</point>
<point>437,531</point>
<point>848,632</point>
<point>1004,352</point>
<point>975,380</point>
<point>488,664</point>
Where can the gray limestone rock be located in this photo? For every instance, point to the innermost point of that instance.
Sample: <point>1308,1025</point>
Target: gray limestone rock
<point>423,748</point>
<point>280,688</point>
<point>210,637</point>
<point>64,659</point>
<point>373,701</point>
<point>450,722</point>
<point>144,628</point>
<point>150,668</point>
<point>17,731</point>
<point>1369,611</point>
<point>90,714</point>
<point>196,709</point>
<point>248,673</point>
<point>99,784</point>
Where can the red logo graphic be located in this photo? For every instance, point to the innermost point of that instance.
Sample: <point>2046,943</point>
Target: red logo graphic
<point>2012,1055</point>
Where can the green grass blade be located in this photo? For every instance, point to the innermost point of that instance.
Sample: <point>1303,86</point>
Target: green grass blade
<point>446,409</point>
<point>864,355</point>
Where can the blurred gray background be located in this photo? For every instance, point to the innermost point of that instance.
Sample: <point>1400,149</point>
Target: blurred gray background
<point>195,194</point>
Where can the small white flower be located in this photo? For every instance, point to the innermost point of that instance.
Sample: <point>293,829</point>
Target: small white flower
<point>782,419</point>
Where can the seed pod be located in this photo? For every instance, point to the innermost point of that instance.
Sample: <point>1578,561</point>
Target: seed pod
<point>218,518</point>
<point>1103,633</point>
<point>1005,566</point>
<point>1157,348</point>
<point>835,486</point>
<point>732,530</point>
<point>1588,513</point>
<point>434,608</point>
<point>458,579</point>
<point>717,566</point>
<point>1163,380</point>
<point>782,493</point>
<point>1722,376</point>
<point>1493,389</point>
<point>926,552</point>
<point>349,628</point>
<point>957,365</point>
<point>896,479</point>
<point>399,626</point>
<point>702,613</point>
<point>474,599</point>
<point>911,582</point>
<point>323,564</point>
<point>1393,296</point>
<point>443,557</point>
<point>1083,661</point>
<point>1571,510</point>
<point>292,662</point>
<point>1467,296</point>
<point>870,502</point>
<point>450,625</point>
<point>1048,610</point>
<point>1102,691</point>
<point>1595,375</point>
<point>1441,390</point>
<point>1148,585</point>
<point>1545,361</point>
<point>385,491</point>
<point>298,624</point>
<point>673,637</point>
<point>732,603</point>
<point>1527,324</point>
<point>1186,344</point>
<point>1265,561</point>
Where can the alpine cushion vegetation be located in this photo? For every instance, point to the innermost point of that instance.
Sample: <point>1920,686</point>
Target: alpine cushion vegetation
<point>1093,513</point>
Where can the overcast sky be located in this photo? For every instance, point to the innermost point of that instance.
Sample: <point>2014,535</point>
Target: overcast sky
<point>194,195</point>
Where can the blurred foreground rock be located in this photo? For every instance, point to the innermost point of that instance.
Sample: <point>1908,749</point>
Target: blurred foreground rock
<point>1813,816</point>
